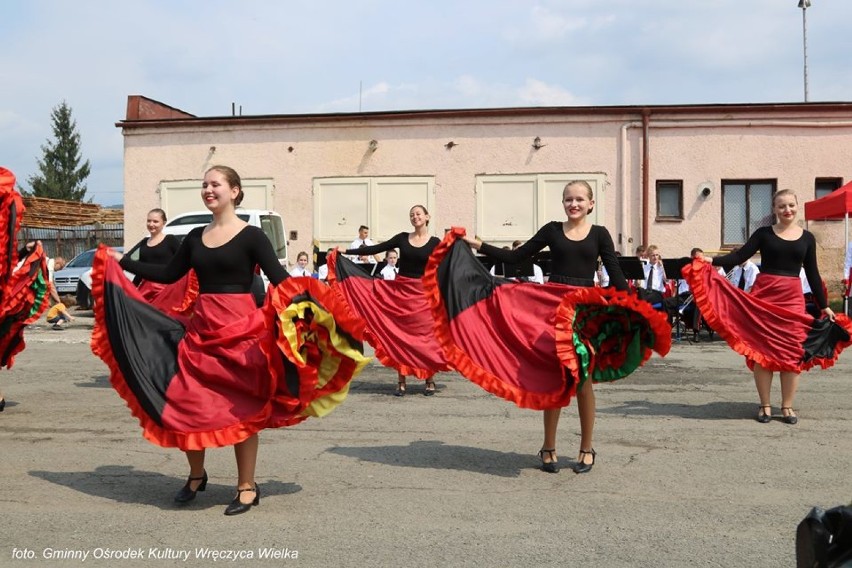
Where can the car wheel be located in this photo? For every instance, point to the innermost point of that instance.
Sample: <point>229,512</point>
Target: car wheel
<point>84,297</point>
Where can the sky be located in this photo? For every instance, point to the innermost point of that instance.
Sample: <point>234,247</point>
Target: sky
<point>317,56</point>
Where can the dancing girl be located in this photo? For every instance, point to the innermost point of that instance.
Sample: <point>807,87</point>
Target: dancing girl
<point>397,317</point>
<point>220,376</point>
<point>770,325</point>
<point>540,345</point>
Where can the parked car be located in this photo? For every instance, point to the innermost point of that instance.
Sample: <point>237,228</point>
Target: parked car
<point>270,222</point>
<point>66,279</point>
<point>84,286</point>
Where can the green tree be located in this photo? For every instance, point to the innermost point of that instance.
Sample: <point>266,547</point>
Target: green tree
<point>61,175</point>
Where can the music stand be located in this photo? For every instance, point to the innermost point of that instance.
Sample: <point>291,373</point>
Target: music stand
<point>486,261</point>
<point>631,267</point>
<point>545,261</point>
<point>673,267</point>
<point>523,269</point>
<point>378,267</point>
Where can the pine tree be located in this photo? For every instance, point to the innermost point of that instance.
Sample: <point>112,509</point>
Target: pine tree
<point>61,174</point>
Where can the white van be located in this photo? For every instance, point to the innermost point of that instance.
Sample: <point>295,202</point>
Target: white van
<point>270,222</point>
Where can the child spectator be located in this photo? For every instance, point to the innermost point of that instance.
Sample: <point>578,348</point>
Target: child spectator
<point>58,315</point>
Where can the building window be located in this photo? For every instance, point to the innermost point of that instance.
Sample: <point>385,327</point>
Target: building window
<point>669,200</point>
<point>746,206</point>
<point>824,186</point>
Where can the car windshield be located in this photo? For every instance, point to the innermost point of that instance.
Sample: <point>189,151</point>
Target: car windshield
<point>274,229</point>
<point>200,219</point>
<point>84,259</point>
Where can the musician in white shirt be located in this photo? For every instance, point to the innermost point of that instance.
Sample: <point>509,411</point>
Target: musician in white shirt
<point>322,271</point>
<point>363,240</point>
<point>390,271</point>
<point>654,271</point>
<point>744,275</point>
<point>301,268</point>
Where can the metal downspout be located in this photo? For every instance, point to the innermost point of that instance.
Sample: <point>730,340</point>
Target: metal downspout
<point>646,175</point>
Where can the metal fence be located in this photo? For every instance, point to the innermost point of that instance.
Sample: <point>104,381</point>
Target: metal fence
<point>70,241</point>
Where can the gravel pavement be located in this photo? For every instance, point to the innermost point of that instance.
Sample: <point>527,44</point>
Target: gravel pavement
<point>684,475</point>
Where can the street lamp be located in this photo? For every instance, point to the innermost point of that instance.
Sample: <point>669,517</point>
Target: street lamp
<point>804,5</point>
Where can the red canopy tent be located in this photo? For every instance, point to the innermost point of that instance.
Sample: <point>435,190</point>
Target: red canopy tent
<point>835,205</point>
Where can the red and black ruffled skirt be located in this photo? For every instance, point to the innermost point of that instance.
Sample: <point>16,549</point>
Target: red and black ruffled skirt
<point>176,298</point>
<point>535,344</point>
<point>11,214</point>
<point>23,288</point>
<point>227,369</point>
<point>24,298</point>
<point>769,325</point>
<point>396,316</point>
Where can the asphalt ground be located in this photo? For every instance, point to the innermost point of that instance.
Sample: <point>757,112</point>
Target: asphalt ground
<point>684,476</point>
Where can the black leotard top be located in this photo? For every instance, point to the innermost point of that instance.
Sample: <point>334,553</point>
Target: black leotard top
<point>224,269</point>
<point>573,260</point>
<point>160,253</point>
<point>781,257</point>
<point>412,259</point>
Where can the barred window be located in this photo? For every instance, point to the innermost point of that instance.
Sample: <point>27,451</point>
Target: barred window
<point>746,206</point>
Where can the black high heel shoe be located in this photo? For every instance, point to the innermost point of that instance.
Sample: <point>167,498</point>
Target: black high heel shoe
<point>583,467</point>
<point>400,389</point>
<point>429,389</point>
<point>548,466</point>
<point>2,404</point>
<point>789,418</point>
<point>236,507</point>
<point>762,416</point>
<point>186,493</point>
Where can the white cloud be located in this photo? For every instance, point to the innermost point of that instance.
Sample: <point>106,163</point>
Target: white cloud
<point>549,25</point>
<point>380,96</point>
<point>285,57</point>
<point>539,93</point>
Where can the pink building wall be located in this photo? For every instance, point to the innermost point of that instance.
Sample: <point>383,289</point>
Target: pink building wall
<point>793,143</point>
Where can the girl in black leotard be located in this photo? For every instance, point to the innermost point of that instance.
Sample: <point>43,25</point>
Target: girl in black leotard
<point>399,322</point>
<point>575,246</point>
<point>770,326</point>
<point>158,248</point>
<point>221,377</point>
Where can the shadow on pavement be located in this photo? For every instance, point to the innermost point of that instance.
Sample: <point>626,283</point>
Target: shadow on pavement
<point>98,381</point>
<point>709,411</point>
<point>433,454</point>
<point>124,484</point>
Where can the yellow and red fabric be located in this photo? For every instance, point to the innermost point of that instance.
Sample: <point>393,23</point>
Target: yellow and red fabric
<point>23,288</point>
<point>226,369</point>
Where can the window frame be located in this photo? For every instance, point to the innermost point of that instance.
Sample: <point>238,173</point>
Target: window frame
<point>678,186</point>
<point>772,182</point>
<point>837,182</point>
